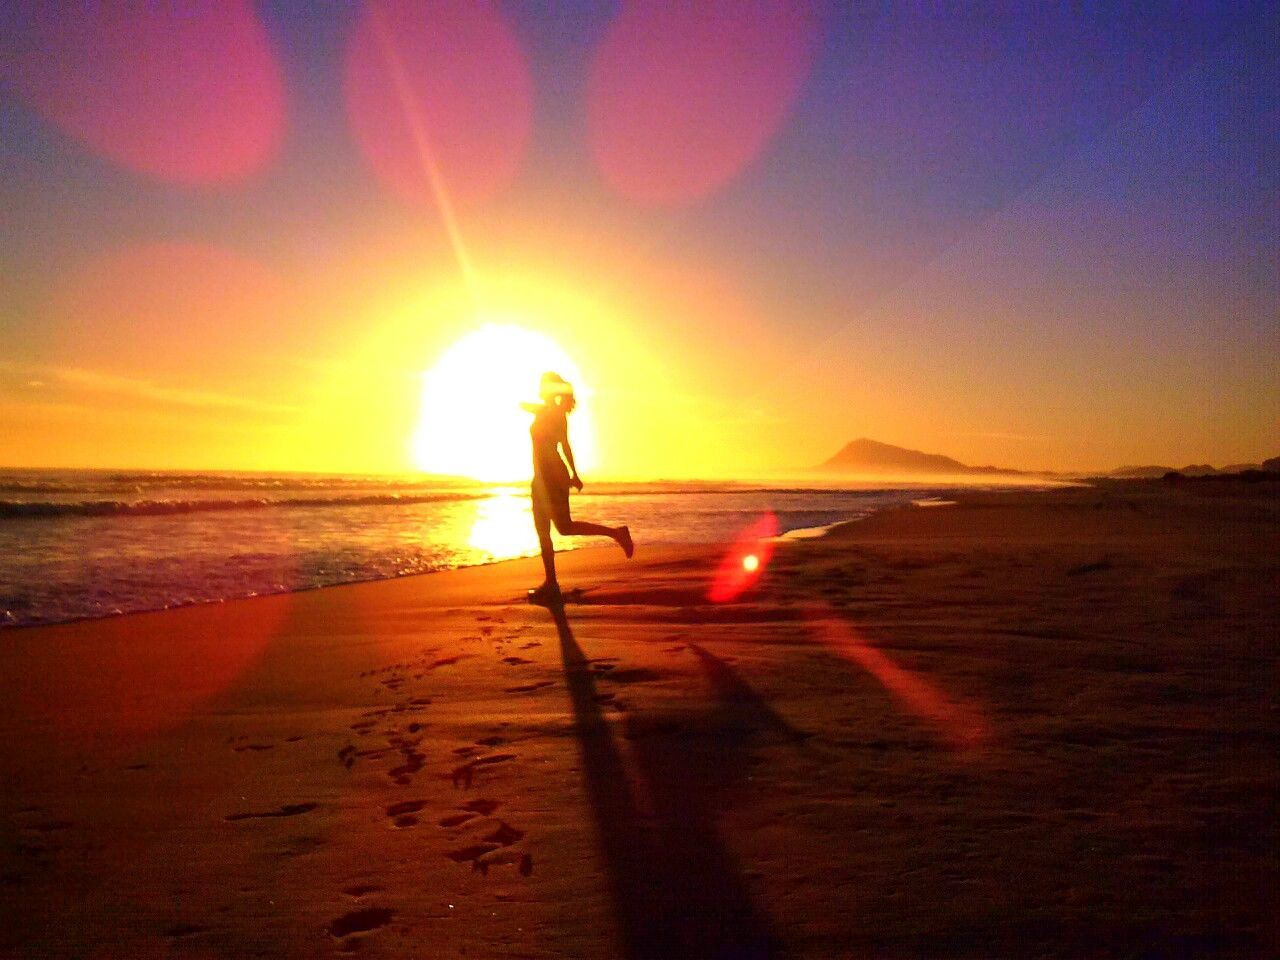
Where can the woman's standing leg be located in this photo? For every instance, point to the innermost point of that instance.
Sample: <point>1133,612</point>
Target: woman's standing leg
<point>542,524</point>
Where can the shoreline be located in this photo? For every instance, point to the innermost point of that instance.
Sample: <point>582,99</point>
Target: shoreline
<point>7,625</point>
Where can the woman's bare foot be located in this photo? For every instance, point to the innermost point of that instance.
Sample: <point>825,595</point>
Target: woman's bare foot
<point>548,591</point>
<point>624,541</point>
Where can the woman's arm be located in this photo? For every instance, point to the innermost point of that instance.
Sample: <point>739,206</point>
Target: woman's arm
<point>574,480</point>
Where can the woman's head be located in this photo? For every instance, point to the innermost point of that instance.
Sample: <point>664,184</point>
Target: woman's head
<point>555,389</point>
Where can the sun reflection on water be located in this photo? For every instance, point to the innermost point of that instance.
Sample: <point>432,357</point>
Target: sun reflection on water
<point>503,526</point>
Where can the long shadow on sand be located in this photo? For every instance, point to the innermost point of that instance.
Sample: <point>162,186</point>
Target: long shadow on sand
<point>677,891</point>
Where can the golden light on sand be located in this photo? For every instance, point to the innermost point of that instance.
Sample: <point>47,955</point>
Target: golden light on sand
<point>751,563</point>
<point>471,422</point>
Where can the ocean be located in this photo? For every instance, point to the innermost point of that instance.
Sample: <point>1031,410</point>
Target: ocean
<point>77,544</point>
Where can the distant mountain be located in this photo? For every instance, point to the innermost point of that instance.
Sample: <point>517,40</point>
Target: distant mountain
<point>1140,473</point>
<point>871,456</point>
<point>1194,470</point>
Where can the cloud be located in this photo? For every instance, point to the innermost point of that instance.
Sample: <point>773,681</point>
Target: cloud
<point>74,379</point>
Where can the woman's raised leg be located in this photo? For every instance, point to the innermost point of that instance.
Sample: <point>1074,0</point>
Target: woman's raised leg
<point>568,527</point>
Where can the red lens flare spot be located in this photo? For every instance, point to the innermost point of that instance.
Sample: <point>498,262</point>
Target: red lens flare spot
<point>119,679</point>
<point>682,96</point>
<point>190,93</point>
<point>745,561</point>
<point>438,88</point>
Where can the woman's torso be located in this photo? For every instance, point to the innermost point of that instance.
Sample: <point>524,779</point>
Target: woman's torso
<point>547,430</point>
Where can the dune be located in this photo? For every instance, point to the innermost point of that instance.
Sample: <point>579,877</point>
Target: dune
<point>1026,724</point>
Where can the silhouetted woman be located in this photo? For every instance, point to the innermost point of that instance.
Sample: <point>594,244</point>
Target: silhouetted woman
<point>552,480</point>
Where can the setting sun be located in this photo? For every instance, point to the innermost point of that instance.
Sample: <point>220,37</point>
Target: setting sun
<point>471,422</point>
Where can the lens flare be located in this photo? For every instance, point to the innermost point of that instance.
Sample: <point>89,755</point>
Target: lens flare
<point>683,96</point>
<point>117,680</point>
<point>190,93</point>
<point>959,724</point>
<point>440,99</point>
<point>746,560</point>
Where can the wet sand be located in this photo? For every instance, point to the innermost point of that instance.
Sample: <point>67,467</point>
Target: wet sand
<point>1029,724</point>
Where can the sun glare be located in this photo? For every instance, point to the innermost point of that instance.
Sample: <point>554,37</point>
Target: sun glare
<point>471,423</point>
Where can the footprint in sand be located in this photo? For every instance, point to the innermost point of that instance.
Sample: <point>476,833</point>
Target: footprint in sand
<point>473,851</point>
<point>516,661</point>
<point>503,855</point>
<point>494,847</point>
<point>530,687</point>
<point>252,746</point>
<point>464,775</point>
<point>361,890</point>
<point>180,930</point>
<point>403,814</point>
<point>360,921</point>
<point>413,762</point>
<point>456,819</point>
<point>491,741</point>
<point>288,810</point>
<point>530,645</point>
<point>505,835</point>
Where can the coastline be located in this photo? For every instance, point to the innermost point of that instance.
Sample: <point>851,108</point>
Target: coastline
<point>1071,688</point>
<point>62,569</point>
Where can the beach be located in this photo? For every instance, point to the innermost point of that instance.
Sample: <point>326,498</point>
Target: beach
<point>1026,723</point>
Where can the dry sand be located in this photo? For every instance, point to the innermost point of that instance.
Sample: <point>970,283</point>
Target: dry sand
<point>1031,724</point>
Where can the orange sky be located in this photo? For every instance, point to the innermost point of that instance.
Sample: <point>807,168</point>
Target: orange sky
<point>1067,273</point>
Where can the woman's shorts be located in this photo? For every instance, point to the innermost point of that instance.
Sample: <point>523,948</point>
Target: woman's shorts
<point>551,500</point>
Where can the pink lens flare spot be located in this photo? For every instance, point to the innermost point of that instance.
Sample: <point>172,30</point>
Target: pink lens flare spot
<point>682,97</point>
<point>959,723</point>
<point>746,560</point>
<point>189,93</point>
<point>439,97</point>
